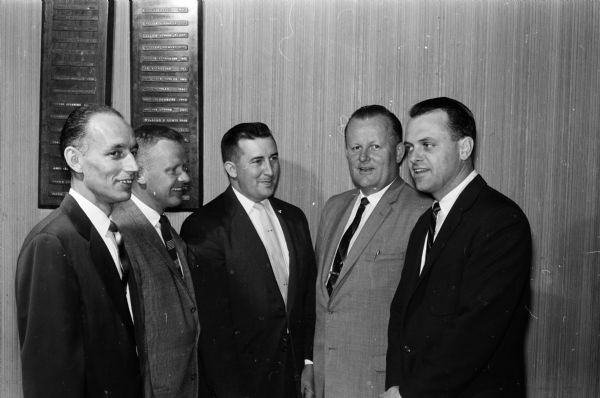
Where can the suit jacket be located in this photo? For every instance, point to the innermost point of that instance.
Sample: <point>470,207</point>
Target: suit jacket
<point>458,328</point>
<point>350,333</point>
<point>169,321</point>
<point>251,344</point>
<point>75,330</point>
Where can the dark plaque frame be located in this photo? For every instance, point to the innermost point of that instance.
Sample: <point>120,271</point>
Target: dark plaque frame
<point>76,70</point>
<point>166,70</point>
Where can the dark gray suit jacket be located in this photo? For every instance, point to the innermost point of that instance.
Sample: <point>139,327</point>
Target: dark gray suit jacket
<point>75,330</point>
<point>169,317</point>
<point>457,329</point>
<point>252,344</point>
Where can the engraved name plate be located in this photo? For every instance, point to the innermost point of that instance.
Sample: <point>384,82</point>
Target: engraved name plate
<point>76,69</point>
<point>165,77</point>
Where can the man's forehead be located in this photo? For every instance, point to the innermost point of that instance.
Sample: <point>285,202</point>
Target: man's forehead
<point>428,124</point>
<point>108,126</point>
<point>378,124</point>
<point>257,147</point>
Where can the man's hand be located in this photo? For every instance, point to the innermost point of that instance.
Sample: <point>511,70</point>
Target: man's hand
<point>307,381</point>
<point>392,392</point>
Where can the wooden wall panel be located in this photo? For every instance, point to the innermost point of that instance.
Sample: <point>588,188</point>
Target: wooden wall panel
<point>528,69</point>
<point>20,54</point>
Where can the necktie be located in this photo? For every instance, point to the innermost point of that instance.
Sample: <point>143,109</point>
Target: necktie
<point>165,231</point>
<point>431,232</point>
<point>123,257</point>
<point>278,264</point>
<point>342,251</point>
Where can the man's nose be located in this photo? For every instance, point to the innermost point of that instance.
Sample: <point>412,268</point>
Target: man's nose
<point>364,155</point>
<point>414,155</point>
<point>129,163</point>
<point>184,177</point>
<point>268,168</point>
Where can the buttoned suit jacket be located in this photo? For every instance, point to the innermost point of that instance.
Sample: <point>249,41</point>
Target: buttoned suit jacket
<point>169,326</point>
<point>252,345</point>
<point>457,329</point>
<point>75,329</point>
<point>351,325</point>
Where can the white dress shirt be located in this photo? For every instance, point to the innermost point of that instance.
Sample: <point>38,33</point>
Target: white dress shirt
<point>101,222</point>
<point>248,205</point>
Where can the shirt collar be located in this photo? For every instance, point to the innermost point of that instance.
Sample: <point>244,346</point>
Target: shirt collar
<point>151,215</point>
<point>448,201</point>
<point>374,198</point>
<point>99,219</point>
<point>247,203</point>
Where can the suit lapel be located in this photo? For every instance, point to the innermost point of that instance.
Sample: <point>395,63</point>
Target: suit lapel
<point>101,258</point>
<point>148,240</point>
<point>290,242</point>
<point>464,202</point>
<point>411,273</point>
<point>370,228</point>
<point>187,276</point>
<point>242,225</point>
<point>337,230</point>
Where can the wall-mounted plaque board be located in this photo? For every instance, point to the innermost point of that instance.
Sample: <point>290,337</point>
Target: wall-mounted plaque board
<point>76,70</point>
<point>165,67</point>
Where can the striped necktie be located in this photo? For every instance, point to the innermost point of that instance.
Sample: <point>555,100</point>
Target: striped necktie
<point>165,231</point>
<point>431,231</point>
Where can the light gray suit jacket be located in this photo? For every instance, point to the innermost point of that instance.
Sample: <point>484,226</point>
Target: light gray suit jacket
<point>351,325</point>
<point>169,326</point>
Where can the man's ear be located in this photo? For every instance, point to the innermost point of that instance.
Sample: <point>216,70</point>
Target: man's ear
<point>400,152</point>
<point>141,175</point>
<point>465,147</point>
<point>230,169</point>
<point>73,158</point>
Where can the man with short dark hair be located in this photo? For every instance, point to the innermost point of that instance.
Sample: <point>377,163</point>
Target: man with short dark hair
<point>168,326</point>
<point>458,318</point>
<point>256,276</point>
<point>360,250</point>
<point>73,301</point>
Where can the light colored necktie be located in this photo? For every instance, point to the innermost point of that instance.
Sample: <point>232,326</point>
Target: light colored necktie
<point>278,264</point>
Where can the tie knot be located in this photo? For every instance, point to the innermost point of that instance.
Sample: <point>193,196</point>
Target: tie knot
<point>435,208</point>
<point>164,220</point>
<point>364,202</point>
<point>112,227</point>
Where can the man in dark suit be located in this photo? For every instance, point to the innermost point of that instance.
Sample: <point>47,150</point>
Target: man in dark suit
<point>255,284</point>
<point>74,315</point>
<point>168,326</point>
<point>359,267</point>
<point>459,315</point>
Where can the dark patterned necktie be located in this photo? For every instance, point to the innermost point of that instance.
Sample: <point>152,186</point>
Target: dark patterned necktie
<point>123,257</point>
<point>342,251</point>
<point>431,232</point>
<point>165,231</point>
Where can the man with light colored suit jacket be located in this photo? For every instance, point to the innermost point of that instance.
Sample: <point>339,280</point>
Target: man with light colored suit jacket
<point>168,325</point>
<point>256,277</point>
<point>75,322</point>
<point>360,251</point>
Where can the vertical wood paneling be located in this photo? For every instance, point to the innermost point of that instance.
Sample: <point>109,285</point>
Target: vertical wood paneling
<point>530,71</point>
<point>20,53</point>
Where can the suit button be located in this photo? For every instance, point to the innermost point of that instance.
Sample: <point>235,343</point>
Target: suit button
<point>193,309</point>
<point>236,332</point>
<point>407,348</point>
